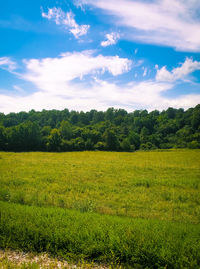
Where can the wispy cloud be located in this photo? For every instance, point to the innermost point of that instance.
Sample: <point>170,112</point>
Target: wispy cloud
<point>100,95</point>
<point>19,89</point>
<point>67,20</point>
<point>144,71</point>
<point>79,4</point>
<point>172,23</point>
<point>178,73</point>
<point>111,39</point>
<point>7,64</point>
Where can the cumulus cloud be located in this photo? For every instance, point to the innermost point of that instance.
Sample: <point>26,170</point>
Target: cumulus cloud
<point>174,23</point>
<point>53,74</point>
<point>111,39</point>
<point>66,19</point>
<point>100,95</point>
<point>178,73</point>
<point>7,64</point>
<point>74,80</point>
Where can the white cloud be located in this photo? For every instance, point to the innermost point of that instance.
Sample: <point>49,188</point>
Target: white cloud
<point>66,19</point>
<point>181,72</point>
<point>19,89</point>
<point>79,4</point>
<point>111,39</point>
<point>174,23</point>
<point>53,74</point>
<point>7,64</point>
<point>58,85</point>
<point>144,72</point>
<point>100,95</point>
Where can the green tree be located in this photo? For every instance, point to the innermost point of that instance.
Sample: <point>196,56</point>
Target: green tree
<point>195,120</point>
<point>3,138</point>
<point>66,130</point>
<point>54,140</point>
<point>89,145</point>
<point>125,145</point>
<point>24,137</point>
<point>144,135</point>
<point>134,139</point>
<point>109,114</point>
<point>111,140</point>
<point>100,146</point>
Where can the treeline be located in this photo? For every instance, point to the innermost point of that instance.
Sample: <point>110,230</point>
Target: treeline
<point>113,130</point>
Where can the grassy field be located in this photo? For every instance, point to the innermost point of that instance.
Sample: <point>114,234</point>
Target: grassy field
<point>141,209</point>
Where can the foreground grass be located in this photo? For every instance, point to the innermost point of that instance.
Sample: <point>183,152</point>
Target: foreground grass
<point>139,210</point>
<point>74,235</point>
<point>161,185</point>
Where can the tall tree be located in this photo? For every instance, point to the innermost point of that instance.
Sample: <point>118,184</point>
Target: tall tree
<point>54,140</point>
<point>111,140</point>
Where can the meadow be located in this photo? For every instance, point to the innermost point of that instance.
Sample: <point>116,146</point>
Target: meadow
<point>139,209</point>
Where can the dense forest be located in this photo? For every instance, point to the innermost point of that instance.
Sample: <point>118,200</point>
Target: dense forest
<point>113,130</point>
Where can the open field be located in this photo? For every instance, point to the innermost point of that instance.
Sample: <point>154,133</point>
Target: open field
<point>161,185</point>
<point>141,209</point>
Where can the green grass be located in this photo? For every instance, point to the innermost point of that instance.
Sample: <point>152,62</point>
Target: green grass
<point>71,234</point>
<point>161,185</point>
<point>140,209</point>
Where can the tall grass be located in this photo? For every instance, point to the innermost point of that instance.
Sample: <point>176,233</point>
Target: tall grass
<point>75,235</point>
<point>139,209</point>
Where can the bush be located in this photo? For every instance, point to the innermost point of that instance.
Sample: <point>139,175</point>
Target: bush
<point>194,145</point>
<point>125,145</point>
<point>100,146</point>
<point>147,146</point>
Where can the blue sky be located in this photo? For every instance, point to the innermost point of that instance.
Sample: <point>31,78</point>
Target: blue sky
<point>95,54</point>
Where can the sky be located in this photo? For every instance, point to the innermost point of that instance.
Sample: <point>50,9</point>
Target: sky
<point>96,54</point>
